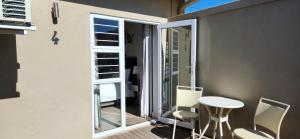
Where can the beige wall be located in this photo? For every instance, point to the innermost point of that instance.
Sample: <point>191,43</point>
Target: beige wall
<point>251,53</point>
<point>54,81</point>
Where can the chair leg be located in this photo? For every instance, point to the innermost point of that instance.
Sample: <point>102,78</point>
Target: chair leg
<point>199,127</point>
<point>174,129</point>
<point>193,128</point>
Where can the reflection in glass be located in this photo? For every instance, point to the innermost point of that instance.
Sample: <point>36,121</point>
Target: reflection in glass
<point>106,29</point>
<point>106,32</point>
<point>106,22</point>
<point>176,64</point>
<point>107,65</point>
<point>107,106</point>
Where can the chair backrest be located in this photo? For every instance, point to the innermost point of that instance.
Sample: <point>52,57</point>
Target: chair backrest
<point>187,96</point>
<point>269,114</point>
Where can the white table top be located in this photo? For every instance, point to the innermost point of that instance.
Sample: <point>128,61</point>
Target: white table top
<point>220,102</point>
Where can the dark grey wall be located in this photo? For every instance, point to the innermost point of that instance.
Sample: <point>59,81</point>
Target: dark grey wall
<point>9,67</point>
<point>251,53</point>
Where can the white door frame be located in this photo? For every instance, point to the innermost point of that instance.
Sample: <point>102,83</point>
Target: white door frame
<point>193,24</point>
<point>122,72</point>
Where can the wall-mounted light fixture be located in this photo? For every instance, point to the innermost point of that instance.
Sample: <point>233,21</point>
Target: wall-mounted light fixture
<point>55,13</point>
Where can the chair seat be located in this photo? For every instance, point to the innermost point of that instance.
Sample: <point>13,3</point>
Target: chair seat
<point>251,134</point>
<point>181,114</point>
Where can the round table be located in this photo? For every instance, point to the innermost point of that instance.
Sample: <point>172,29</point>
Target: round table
<point>219,103</point>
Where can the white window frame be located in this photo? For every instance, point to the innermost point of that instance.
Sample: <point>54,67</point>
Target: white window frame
<point>94,50</point>
<point>121,79</point>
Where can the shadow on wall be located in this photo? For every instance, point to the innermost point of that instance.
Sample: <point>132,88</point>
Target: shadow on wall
<point>148,7</point>
<point>8,67</point>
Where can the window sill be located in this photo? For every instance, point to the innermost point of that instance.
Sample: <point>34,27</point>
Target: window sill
<point>13,29</point>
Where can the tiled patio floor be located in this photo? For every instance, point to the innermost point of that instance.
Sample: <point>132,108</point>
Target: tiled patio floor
<point>158,131</point>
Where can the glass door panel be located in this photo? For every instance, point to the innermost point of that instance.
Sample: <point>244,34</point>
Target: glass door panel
<point>177,48</point>
<point>176,59</point>
<point>108,106</point>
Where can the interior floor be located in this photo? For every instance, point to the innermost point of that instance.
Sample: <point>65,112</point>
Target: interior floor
<point>132,115</point>
<point>111,117</point>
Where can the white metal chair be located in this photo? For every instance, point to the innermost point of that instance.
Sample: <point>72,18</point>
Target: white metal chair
<point>269,114</point>
<point>187,97</point>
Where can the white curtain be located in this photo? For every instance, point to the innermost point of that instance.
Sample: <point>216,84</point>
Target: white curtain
<point>144,97</point>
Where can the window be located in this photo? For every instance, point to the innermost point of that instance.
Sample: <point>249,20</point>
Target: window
<point>106,32</point>
<point>106,49</point>
<point>107,65</point>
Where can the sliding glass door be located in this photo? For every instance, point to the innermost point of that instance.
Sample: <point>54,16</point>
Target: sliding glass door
<point>107,48</point>
<point>177,47</point>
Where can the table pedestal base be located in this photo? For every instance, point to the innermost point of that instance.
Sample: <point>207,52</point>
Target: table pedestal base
<point>218,119</point>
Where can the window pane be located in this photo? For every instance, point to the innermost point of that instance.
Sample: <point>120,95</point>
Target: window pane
<point>106,32</point>
<point>106,43</point>
<point>106,29</point>
<point>175,40</point>
<point>106,22</point>
<point>103,36</point>
<point>107,65</point>
<point>107,106</point>
<point>175,62</point>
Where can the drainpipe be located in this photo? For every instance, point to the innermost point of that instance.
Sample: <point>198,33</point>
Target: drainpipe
<point>183,5</point>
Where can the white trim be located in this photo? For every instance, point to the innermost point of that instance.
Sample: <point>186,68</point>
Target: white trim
<point>92,73</point>
<point>159,72</point>
<point>122,71</point>
<point>189,22</point>
<point>106,41</point>
<point>106,25</point>
<point>194,53</point>
<point>141,21</point>
<point>106,33</point>
<point>32,28</point>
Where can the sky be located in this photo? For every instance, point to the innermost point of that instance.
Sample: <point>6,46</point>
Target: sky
<point>204,4</point>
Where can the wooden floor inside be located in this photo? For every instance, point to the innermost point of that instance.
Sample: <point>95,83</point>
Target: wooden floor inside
<point>111,116</point>
<point>158,131</point>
